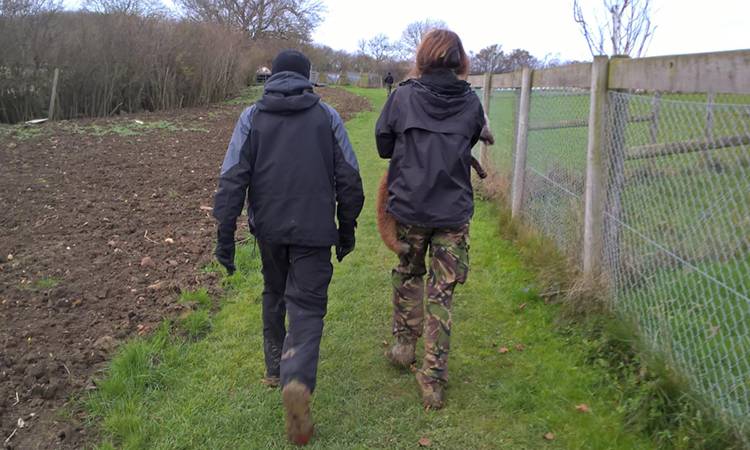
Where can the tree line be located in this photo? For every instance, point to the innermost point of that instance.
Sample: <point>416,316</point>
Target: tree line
<point>127,56</point>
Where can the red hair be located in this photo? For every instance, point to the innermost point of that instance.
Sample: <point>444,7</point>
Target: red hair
<point>441,49</point>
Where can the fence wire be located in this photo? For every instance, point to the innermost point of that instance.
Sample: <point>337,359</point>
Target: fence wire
<point>677,237</point>
<point>556,166</point>
<point>502,115</point>
<point>677,220</point>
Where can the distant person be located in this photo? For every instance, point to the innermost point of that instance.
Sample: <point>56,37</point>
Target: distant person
<point>427,129</point>
<point>388,81</point>
<point>291,157</point>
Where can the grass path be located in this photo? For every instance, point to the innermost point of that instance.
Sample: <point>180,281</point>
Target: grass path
<point>171,392</point>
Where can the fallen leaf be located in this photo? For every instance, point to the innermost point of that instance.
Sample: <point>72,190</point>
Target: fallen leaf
<point>385,343</point>
<point>424,442</point>
<point>169,240</point>
<point>549,436</point>
<point>503,350</point>
<point>584,408</point>
<point>522,306</point>
<point>520,347</point>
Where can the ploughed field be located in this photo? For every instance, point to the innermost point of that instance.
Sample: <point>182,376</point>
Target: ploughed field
<point>103,224</point>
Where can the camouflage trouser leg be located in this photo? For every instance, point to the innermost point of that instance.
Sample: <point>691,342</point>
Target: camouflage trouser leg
<point>408,284</point>
<point>449,252</point>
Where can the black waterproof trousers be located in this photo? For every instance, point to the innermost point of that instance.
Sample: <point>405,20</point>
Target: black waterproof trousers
<point>296,283</point>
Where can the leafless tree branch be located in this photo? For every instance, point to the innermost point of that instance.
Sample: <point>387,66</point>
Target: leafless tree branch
<point>626,25</point>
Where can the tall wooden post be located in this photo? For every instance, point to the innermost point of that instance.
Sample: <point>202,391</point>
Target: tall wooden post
<point>710,102</point>
<point>655,113</point>
<point>53,97</point>
<point>593,231</point>
<point>709,130</point>
<point>519,165</point>
<point>486,99</point>
<point>618,116</point>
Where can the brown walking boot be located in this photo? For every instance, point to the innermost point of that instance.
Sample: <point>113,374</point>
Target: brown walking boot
<point>270,381</point>
<point>299,425</point>
<point>402,353</point>
<point>433,391</point>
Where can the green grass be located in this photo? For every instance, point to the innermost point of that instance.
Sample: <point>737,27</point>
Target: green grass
<point>247,96</point>
<point>45,283</point>
<point>130,128</point>
<point>21,132</point>
<point>166,391</point>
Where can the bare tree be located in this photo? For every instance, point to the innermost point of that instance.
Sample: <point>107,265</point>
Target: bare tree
<point>130,7</point>
<point>379,48</point>
<point>519,58</point>
<point>489,59</point>
<point>26,8</point>
<point>414,32</point>
<point>260,19</point>
<point>625,29</point>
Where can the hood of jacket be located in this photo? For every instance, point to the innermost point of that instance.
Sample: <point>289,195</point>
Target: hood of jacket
<point>440,94</point>
<point>287,92</point>
<point>437,102</point>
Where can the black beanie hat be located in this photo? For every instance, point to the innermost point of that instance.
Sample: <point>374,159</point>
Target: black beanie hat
<point>292,61</point>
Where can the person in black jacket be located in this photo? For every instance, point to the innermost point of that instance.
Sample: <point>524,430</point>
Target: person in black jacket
<point>388,81</point>
<point>427,129</point>
<point>291,157</point>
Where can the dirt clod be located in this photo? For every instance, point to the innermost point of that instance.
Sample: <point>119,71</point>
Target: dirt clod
<point>146,261</point>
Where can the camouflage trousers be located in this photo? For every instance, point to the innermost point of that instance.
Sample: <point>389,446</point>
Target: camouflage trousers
<point>449,265</point>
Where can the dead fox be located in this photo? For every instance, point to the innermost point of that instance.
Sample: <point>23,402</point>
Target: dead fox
<point>387,223</point>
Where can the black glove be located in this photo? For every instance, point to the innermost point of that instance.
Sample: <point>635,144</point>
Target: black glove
<point>346,240</point>
<point>225,247</point>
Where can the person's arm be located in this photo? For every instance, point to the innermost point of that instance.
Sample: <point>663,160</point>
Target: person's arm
<point>385,136</point>
<point>233,184</point>
<point>348,183</point>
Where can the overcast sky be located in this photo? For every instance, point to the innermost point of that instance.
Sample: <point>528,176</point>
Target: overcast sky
<point>540,26</point>
<point>544,27</point>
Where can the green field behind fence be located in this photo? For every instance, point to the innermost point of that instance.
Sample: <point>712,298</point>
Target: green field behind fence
<point>678,260</point>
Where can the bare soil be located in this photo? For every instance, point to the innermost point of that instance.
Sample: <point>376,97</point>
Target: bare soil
<point>101,228</point>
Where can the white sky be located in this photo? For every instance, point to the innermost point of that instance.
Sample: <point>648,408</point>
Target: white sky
<point>540,26</point>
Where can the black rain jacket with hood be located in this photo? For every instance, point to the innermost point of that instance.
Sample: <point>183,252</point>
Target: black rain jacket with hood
<point>291,157</point>
<point>427,128</point>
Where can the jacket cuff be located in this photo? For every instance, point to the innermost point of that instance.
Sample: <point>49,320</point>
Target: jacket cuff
<point>347,227</point>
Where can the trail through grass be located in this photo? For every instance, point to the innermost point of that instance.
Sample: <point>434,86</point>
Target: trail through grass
<point>176,391</point>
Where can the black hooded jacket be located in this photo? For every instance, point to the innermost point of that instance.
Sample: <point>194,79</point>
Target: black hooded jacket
<point>427,128</point>
<point>291,156</point>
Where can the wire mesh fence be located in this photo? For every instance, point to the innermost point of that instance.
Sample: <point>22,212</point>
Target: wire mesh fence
<point>556,166</point>
<point>676,235</point>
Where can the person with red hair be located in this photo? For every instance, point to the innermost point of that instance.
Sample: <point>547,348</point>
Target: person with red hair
<point>427,129</point>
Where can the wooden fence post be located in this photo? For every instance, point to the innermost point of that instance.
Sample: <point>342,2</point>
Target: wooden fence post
<point>519,165</point>
<point>53,97</point>
<point>593,231</point>
<point>618,113</point>
<point>655,113</point>
<point>486,99</point>
<point>709,130</point>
